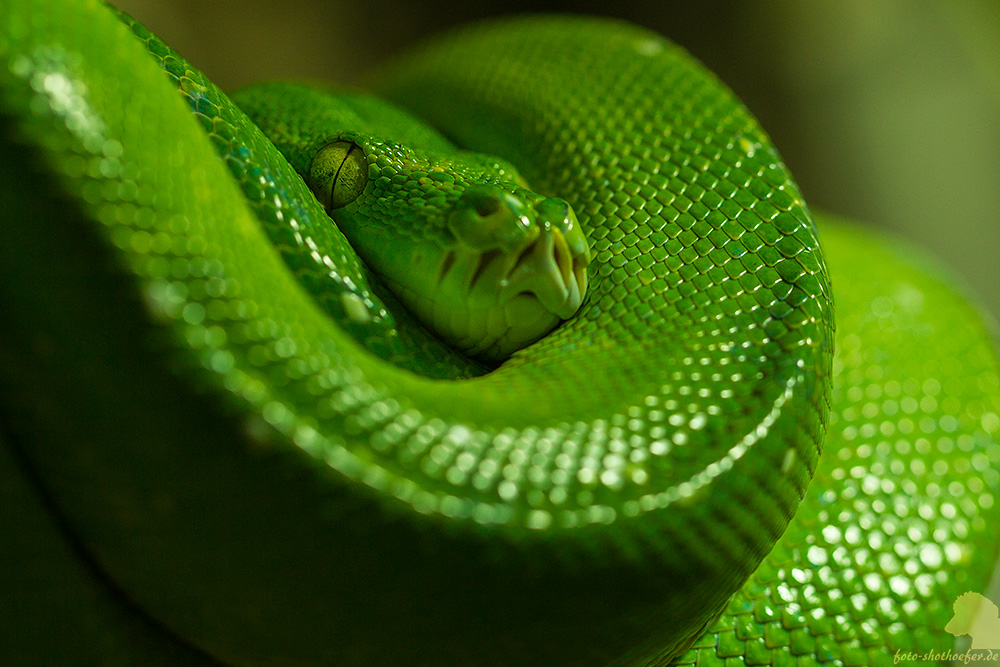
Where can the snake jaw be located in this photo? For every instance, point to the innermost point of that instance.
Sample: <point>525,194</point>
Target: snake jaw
<point>516,245</point>
<point>549,270</point>
<point>491,303</point>
<point>517,267</point>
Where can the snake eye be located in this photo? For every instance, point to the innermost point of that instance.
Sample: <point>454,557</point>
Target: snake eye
<point>338,174</point>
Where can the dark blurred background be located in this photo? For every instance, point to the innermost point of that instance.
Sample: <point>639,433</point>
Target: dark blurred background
<point>885,110</point>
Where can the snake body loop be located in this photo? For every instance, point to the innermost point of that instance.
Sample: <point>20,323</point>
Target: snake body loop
<point>268,459</point>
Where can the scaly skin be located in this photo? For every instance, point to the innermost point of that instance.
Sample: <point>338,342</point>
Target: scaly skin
<point>484,262</point>
<point>214,468</point>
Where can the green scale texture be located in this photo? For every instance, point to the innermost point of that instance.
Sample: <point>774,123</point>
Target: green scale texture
<point>237,460</point>
<point>901,516</point>
<point>297,225</point>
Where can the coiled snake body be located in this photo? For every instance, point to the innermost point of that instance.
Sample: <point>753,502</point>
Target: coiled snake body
<point>229,442</point>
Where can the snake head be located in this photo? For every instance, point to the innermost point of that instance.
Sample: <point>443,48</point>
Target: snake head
<point>517,245</point>
<point>487,264</point>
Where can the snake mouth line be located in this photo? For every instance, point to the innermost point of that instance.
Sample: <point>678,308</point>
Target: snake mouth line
<point>545,269</point>
<point>489,303</point>
<point>551,271</point>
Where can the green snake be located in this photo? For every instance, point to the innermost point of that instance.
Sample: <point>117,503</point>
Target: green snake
<point>229,440</point>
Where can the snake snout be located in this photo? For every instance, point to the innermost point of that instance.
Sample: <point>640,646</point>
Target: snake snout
<point>523,246</point>
<point>518,267</point>
<point>489,218</point>
<point>553,269</point>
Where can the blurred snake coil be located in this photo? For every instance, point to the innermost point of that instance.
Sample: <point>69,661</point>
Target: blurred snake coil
<point>225,443</point>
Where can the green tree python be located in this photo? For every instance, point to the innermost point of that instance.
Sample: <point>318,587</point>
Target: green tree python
<point>231,437</point>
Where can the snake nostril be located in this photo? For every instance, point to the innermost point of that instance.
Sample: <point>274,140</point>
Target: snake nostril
<point>485,218</point>
<point>482,200</point>
<point>486,206</point>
